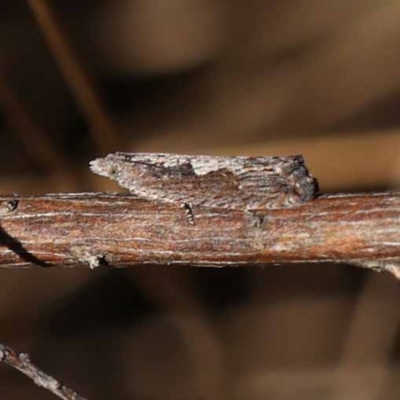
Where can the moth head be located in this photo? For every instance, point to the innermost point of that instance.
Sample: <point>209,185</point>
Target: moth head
<point>128,173</point>
<point>105,167</point>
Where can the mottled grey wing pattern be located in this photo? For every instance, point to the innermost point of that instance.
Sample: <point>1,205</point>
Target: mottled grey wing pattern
<point>248,183</point>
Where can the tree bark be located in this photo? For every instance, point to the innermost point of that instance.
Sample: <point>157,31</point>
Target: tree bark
<point>94,229</point>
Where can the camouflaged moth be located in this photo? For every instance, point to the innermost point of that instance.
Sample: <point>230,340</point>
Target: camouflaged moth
<point>245,183</point>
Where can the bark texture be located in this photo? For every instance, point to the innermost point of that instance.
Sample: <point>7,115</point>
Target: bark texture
<point>94,229</point>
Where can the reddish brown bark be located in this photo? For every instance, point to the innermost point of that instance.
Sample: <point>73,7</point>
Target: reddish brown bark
<point>120,230</point>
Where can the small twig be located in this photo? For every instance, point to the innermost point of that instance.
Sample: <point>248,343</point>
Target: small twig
<point>80,82</point>
<point>22,363</point>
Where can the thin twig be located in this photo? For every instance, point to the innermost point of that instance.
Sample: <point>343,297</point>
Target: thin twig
<point>22,363</point>
<point>80,82</point>
<point>94,229</point>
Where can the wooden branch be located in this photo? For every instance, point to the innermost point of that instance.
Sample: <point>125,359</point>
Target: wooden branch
<point>94,229</point>
<point>22,363</point>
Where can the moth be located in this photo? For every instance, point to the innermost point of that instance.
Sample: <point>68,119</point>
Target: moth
<point>243,183</point>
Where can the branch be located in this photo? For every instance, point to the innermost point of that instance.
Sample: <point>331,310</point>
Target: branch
<point>93,229</point>
<point>22,363</point>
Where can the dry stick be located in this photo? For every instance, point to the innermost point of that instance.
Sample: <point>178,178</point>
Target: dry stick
<point>94,229</point>
<point>80,82</point>
<point>22,363</point>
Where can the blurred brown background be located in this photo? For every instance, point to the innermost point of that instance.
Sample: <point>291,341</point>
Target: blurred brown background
<point>79,79</point>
